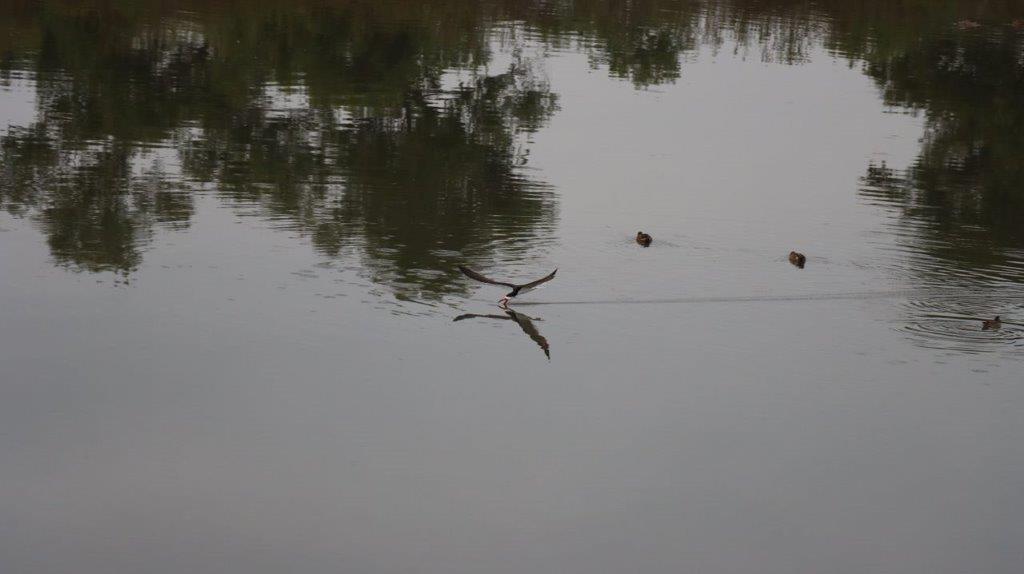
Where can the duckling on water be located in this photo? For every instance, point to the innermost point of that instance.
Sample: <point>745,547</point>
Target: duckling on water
<point>987,324</point>
<point>643,239</point>
<point>797,259</point>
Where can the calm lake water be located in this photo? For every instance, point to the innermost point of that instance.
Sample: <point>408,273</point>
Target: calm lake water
<point>229,234</point>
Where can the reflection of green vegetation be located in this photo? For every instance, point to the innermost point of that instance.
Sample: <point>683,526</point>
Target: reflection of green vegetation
<point>379,155</point>
<point>971,167</point>
<point>968,81</point>
<point>383,154</point>
<point>643,41</point>
<point>433,177</point>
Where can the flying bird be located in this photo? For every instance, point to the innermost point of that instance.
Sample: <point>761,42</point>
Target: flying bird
<point>516,289</point>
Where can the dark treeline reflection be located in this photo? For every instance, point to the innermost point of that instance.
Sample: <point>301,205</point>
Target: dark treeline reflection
<point>340,119</point>
<point>970,172</point>
<point>960,64</point>
<point>343,118</point>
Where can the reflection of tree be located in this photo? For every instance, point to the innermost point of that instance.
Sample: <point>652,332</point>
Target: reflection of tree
<point>971,167</point>
<point>413,187</point>
<point>969,83</point>
<point>384,155</point>
<point>99,97</point>
<point>380,156</point>
<point>643,40</point>
<point>443,180</point>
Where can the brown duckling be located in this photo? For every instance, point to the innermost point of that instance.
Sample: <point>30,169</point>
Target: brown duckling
<point>987,324</point>
<point>643,239</point>
<point>797,259</point>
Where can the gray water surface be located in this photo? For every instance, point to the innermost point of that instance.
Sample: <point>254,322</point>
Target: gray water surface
<point>229,235</point>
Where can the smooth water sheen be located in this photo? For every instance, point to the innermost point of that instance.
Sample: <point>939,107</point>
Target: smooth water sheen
<point>229,234</point>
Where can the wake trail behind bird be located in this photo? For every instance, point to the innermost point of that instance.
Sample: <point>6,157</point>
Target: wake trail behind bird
<point>856,295</point>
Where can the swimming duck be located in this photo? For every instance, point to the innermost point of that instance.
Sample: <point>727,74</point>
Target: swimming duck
<point>991,323</point>
<point>797,259</point>
<point>643,239</point>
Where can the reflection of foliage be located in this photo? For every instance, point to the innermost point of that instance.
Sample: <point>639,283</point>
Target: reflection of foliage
<point>642,40</point>
<point>382,153</point>
<point>444,181</point>
<point>970,172</point>
<point>940,229</point>
<point>90,218</point>
<point>436,175</point>
<point>969,82</point>
<point>99,96</point>
<point>94,213</point>
<point>379,154</point>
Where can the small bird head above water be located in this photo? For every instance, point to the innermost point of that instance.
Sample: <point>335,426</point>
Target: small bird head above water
<point>797,259</point>
<point>991,323</point>
<point>643,239</point>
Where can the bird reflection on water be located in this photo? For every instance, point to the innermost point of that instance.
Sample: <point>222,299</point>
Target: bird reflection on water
<point>525,323</point>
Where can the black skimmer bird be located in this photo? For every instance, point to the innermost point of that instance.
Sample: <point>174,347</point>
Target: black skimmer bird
<point>991,323</point>
<point>797,259</point>
<point>516,289</point>
<point>525,323</point>
<point>643,239</point>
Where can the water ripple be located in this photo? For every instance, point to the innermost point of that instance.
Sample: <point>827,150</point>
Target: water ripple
<point>954,324</point>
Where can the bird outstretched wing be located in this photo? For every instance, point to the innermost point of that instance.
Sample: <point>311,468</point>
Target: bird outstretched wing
<point>482,278</point>
<point>534,284</point>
